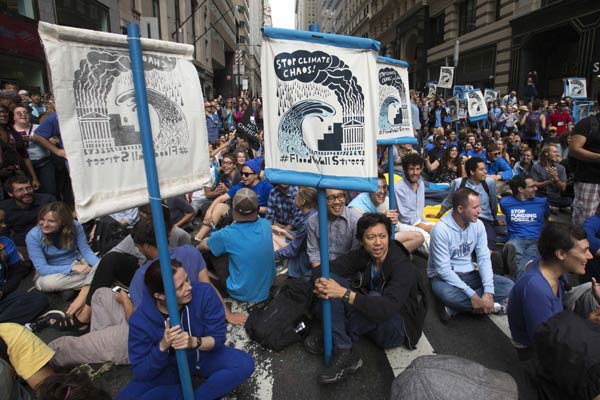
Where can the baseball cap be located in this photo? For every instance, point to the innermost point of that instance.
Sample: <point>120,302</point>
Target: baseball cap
<point>245,205</point>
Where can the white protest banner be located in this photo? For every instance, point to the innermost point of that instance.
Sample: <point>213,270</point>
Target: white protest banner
<point>469,87</point>
<point>490,95</point>
<point>96,109</point>
<point>446,77</point>
<point>395,116</point>
<point>453,105</point>
<point>431,89</point>
<point>320,113</point>
<point>476,107</point>
<point>575,88</point>
<point>459,91</point>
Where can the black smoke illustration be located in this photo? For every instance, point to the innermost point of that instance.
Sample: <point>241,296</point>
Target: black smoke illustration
<point>391,77</point>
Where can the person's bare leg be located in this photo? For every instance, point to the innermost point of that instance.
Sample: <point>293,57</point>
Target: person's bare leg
<point>217,214</point>
<point>39,376</point>
<point>411,240</point>
<point>278,241</point>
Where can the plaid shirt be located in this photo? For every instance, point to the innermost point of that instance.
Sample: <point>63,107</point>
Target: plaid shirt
<point>281,207</point>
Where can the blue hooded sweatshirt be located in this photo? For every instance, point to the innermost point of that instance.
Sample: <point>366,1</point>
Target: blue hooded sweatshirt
<point>202,316</point>
<point>450,253</point>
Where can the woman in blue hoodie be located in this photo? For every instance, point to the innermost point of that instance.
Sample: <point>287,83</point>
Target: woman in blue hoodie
<point>152,341</point>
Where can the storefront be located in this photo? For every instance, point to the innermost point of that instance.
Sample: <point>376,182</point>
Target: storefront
<point>557,41</point>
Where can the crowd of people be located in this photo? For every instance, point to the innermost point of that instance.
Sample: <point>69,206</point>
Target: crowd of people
<point>475,199</point>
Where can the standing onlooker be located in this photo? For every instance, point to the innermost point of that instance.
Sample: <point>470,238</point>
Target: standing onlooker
<point>533,124</point>
<point>36,107</point>
<point>585,150</point>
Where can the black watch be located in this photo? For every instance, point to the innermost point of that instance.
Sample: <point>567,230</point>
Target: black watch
<point>198,343</point>
<point>346,296</point>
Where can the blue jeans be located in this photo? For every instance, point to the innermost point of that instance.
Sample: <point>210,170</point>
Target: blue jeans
<point>525,250</point>
<point>224,369</point>
<point>458,301</point>
<point>348,325</point>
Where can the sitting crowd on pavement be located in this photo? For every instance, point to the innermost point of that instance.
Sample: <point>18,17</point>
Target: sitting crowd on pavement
<point>479,203</point>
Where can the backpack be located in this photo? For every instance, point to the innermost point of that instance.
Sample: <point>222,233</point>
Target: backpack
<point>568,356</point>
<point>107,235</point>
<point>532,122</point>
<point>284,320</point>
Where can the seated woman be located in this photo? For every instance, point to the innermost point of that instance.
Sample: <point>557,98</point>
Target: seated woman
<point>294,248</point>
<point>448,168</point>
<point>202,334</point>
<point>63,260</point>
<point>542,290</point>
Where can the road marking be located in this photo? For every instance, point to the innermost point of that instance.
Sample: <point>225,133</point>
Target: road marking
<point>400,357</point>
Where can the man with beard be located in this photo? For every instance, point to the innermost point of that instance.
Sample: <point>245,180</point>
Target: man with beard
<point>377,202</point>
<point>22,209</point>
<point>410,199</point>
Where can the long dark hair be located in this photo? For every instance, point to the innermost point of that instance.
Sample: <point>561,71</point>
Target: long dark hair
<point>447,159</point>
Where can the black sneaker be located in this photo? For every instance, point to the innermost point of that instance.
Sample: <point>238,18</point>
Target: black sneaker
<point>45,320</point>
<point>314,343</point>
<point>343,363</point>
<point>443,311</point>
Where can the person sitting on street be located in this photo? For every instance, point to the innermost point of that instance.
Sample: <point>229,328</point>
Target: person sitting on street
<point>219,208</point>
<point>281,207</point>
<point>455,282</point>
<point>201,334</point>
<point>62,259</point>
<point>526,216</point>
<point>387,305</point>
<point>542,291</point>
<point>525,164</point>
<point>341,227</point>
<point>242,253</point>
<point>294,251</point>
<point>497,167</point>
<point>378,202</point>
<point>22,209</point>
<point>410,199</point>
<point>551,178</point>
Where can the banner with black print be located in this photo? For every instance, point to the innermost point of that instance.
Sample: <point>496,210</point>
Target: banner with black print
<point>490,95</point>
<point>431,89</point>
<point>395,115</point>
<point>320,109</point>
<point>459,91</point>
<point>97,112</point>
<point>453,106</point>
<point>575,88</point>
<point>446,77</point>
<point>476,107</point>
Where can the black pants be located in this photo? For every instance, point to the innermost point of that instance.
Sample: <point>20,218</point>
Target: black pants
<point>113,267</point>
<point>220,266</point>
<point>22,307</point>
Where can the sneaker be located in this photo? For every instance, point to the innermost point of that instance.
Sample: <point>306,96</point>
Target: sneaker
<point>343,363</point>
<point>443,311</point>
<point>45,320</point>
<point>314,343</point>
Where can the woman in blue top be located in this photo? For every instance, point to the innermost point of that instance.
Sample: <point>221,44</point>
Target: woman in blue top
<point>152,341</point>
<point>542,290</point>
<point>62,258</point>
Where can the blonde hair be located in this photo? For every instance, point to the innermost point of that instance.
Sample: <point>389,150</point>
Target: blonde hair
<point>64,218</point>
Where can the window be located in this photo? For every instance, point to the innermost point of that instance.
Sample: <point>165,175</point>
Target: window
<point>437,30</point>
<point>26,8</point>
<point>466,17</point>
<point>156,14</point>
<point>88,15</point>
<point>498,7</point>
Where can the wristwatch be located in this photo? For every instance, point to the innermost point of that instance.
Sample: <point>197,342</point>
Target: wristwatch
<point>198,343</point>
<point>346,296</point>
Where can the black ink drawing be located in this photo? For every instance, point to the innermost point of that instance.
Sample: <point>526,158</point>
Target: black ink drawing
<point>393,102</point>
<point>317,85</point>
<point>106,107</point>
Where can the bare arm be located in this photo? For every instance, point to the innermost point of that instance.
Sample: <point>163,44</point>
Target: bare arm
<point>576,149</point>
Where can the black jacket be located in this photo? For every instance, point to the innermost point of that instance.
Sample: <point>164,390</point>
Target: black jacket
<point>403,289</point>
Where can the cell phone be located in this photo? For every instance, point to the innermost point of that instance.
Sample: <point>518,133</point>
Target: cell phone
<point>119,289</point>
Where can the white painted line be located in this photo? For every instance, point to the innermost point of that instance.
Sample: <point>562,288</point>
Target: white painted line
<point>501,321</point>
<point>400,357</point>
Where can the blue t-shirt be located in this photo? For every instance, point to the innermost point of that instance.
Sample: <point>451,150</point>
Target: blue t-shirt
<point>525,219</point>
<point>11,254</point>
<point>363,201</point>
<point>189,257</point>
<point>262,190</point>
<point>249,246</point>
<point>531,303</point>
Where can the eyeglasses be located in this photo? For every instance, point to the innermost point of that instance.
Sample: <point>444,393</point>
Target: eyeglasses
<point>22,113</point>
<point>247,174</point>
<point>334,198</point>
<point>227,162</point>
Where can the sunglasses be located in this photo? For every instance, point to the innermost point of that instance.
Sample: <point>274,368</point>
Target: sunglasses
<point>247,174</point>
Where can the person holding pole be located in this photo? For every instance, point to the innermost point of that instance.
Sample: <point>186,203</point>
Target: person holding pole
<point>201,334</point>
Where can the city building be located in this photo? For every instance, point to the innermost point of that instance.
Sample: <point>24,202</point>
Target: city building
<point>306,14</point>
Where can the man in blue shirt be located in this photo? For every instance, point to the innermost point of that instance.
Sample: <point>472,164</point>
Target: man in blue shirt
<point>248,243</point>
<point>212,123</point>
<point>526,215</point>
<point>497,167</point>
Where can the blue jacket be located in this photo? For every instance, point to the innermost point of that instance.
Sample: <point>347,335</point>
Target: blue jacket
<point>500,166</point>
<point>592,228</point>
<point>203,316</point>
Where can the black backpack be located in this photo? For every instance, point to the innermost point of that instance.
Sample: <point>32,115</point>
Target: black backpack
<point>567,348</point>
<point>530,129</point>
<point>283,320</point>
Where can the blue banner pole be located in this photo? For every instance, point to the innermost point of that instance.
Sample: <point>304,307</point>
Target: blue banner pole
<point>391,172</point>
<point>139,84</point>
<point>324,246</point>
